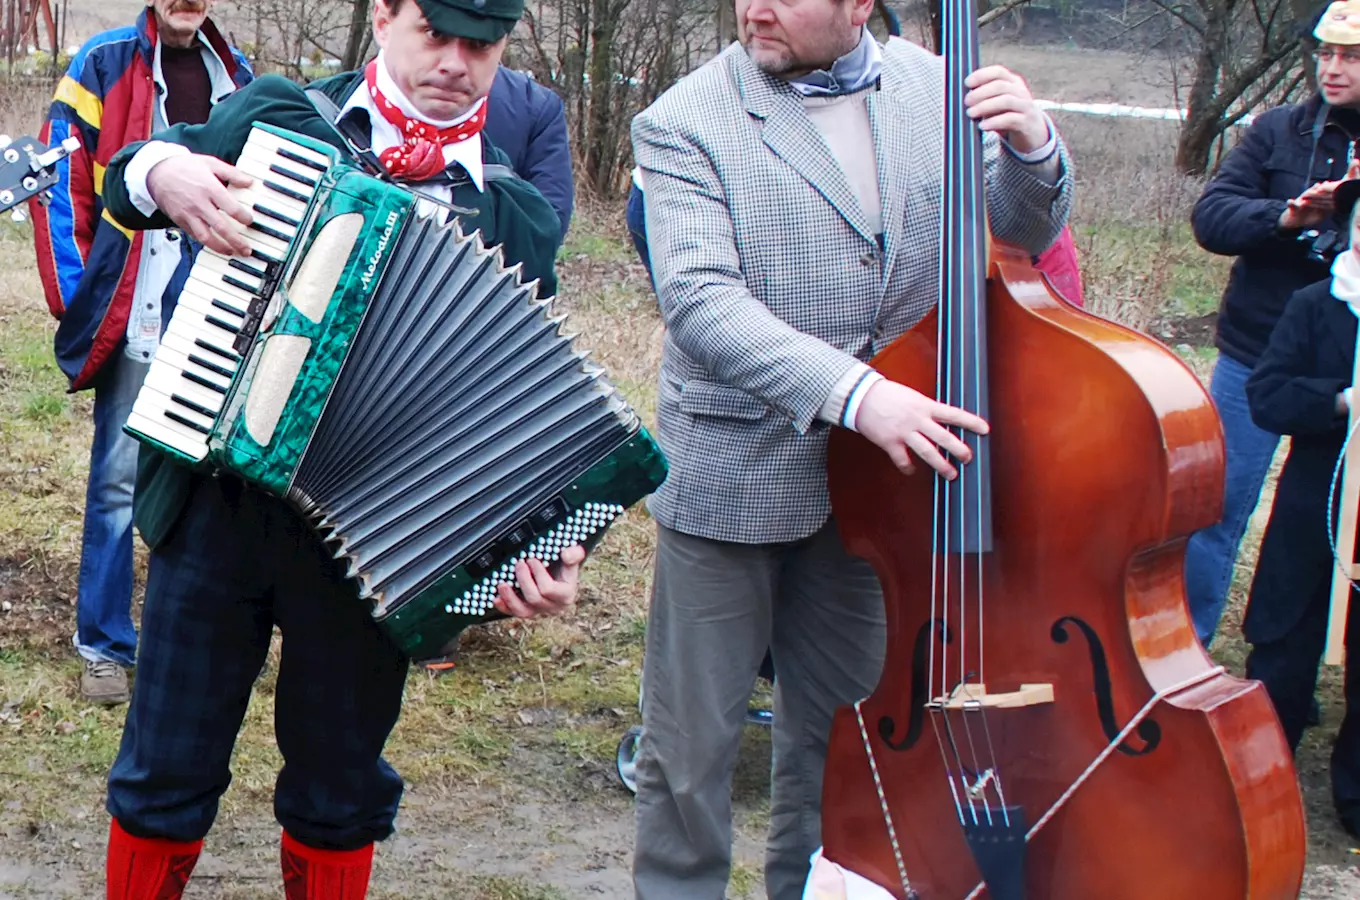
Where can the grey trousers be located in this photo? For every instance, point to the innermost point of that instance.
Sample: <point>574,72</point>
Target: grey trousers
<point>715,609</point>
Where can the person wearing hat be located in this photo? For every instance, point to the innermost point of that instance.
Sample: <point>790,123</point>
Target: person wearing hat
<point>227,562</point>
<point>1270,207</point>
<point>1302,387</point>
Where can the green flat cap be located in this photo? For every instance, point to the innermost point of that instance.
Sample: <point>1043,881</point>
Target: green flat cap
<point>478,20</point>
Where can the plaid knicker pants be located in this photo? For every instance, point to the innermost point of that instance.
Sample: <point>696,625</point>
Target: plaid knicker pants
<point>238,563</point>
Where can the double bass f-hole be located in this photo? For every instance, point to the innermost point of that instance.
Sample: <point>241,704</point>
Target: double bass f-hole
<point>920,687</point>
<point>1148,729</point>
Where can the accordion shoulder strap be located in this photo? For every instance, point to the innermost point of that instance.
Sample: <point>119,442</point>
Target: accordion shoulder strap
<point>353,136</point>
<point>324,105</point>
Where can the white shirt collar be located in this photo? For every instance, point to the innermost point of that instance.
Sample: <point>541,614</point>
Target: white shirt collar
<point>384,134</point>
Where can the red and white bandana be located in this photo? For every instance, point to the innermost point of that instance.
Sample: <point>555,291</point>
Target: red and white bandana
<point>420,155</point>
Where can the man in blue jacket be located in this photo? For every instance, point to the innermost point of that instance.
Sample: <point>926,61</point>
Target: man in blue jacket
<point>528,122</point>
<point>105,283</point>
<point>1269,206</point>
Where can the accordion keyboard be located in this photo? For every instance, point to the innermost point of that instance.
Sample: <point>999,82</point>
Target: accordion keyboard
<point>224,300</point>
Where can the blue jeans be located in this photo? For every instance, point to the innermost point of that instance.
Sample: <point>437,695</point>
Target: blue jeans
<point>1212,552</point>
<point>104,601</point>
<point>637,226</point>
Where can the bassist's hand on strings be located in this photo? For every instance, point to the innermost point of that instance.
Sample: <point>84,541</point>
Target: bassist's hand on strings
<point>539,593</point>
<point>191,189</point>
<point>904,422</point>
<point>1000,101</point>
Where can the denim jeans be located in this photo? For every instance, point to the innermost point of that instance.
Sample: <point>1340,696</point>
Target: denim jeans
<point>104,601</point>
<point>636,217</point>
<point>1212,552</point>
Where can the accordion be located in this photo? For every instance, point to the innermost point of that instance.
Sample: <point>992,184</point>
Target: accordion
<point>404,391</point>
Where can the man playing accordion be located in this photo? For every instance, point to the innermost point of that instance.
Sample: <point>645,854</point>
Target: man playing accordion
<point>229,562</point>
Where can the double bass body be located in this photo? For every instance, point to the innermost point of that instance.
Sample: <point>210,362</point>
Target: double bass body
<point>1105,455</point>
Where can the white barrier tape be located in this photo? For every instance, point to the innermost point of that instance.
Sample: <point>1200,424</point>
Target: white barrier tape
<point>1132,112</point>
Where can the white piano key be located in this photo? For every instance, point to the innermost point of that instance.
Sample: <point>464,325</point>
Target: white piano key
<point>185,327</point>
<point>207,284</point>
<point>169,379</point>
<point>169,432</point>
<point>263,140</point>
<point>218,265</point>
<point>152,403</point>
<point>182,353</point>
<point>203,305</point>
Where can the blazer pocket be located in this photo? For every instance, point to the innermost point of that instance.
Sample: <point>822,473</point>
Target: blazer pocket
<point>711,400</point>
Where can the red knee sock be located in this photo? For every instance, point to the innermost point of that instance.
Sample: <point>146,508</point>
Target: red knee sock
<point>147,868</point>
<point>311,874</point>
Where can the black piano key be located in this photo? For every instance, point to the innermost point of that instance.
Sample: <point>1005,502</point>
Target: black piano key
<point>244,266</point>
<point>210,366</point>
<point>299,158</point>
<point>196,407</point>
<point>286,191</point>
<point>237,283</point>
<point>275,214</point>
<point>266,258</point>
<point>204,382</point>
<point>225,354</point>
<point>213,320</point>
<point>291,175</point>
<point>272,232</point>
<point>185,421</point>
<point>228,307</point>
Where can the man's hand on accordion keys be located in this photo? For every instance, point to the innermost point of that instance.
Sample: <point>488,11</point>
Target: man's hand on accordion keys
<point>540,594</point>
<point>192,190</point>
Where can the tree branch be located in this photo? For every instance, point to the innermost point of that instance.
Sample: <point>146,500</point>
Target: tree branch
<point>997,12</point>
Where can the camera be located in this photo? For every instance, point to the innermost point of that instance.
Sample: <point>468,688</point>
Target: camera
<point>1322,246</point>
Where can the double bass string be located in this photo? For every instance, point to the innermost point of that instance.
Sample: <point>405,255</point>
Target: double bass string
<point>948,371</point>
<point>962,354</point>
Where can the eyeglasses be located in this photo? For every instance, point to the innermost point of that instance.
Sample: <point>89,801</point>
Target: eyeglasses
<point>1325,55</point>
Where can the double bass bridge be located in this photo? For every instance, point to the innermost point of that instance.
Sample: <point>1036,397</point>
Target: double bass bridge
<point>969,697</point>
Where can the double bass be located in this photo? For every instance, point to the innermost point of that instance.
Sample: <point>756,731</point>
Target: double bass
<point>1046,725</point>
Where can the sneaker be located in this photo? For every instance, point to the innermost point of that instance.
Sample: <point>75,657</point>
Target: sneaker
<point>104,682</point>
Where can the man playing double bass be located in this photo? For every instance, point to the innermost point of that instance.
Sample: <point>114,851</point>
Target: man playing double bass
<point>793,195</point>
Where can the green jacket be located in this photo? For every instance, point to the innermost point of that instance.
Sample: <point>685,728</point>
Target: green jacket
<point>511,213</point>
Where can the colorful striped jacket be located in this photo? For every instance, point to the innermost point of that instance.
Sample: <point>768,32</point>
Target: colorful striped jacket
<point>88,263</point>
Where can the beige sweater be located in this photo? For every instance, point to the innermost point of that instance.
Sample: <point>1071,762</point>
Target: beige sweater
<point>844,124</point>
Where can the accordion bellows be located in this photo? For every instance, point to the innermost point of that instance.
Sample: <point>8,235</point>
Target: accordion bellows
<point>416,402</point>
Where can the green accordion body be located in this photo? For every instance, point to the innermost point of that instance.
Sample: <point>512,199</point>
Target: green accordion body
<point>418,406</point>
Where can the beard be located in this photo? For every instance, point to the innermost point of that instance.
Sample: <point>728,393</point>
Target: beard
<point>780,61</point>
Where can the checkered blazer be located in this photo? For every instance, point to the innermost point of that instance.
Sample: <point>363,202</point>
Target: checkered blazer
<point>772,284</point>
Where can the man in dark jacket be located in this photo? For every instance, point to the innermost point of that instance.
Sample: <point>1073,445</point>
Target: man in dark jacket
<point>528,122</point>
<point>104,283</point>
<point>228,563</point>
<point>1270,206</point>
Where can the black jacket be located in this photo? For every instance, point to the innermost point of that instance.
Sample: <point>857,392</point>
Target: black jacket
<point>1282,153</point>
<point>1309,360</point>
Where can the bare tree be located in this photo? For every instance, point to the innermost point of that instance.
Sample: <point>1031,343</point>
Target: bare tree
<point>1244,53</point>
<point>608,59</point>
